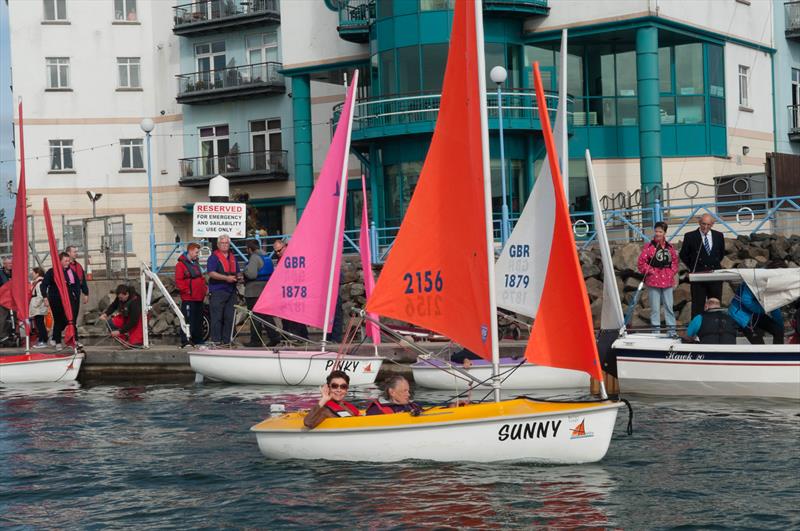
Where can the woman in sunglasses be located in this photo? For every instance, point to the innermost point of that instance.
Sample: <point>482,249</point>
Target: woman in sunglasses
<point>332,403</point>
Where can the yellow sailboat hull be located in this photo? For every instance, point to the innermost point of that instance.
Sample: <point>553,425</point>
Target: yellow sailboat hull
<point>511,430</point>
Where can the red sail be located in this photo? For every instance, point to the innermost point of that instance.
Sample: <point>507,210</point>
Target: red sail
<point>16,295</point>
<point>563,333</point>
<point>58,277</point>
<point>436,275</point>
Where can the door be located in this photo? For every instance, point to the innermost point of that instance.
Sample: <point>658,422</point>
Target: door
<point>266,144</point>
<point>262,49</point>
<point>214,148</point>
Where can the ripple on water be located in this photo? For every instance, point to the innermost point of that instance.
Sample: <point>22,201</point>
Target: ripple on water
<point>182,456</point>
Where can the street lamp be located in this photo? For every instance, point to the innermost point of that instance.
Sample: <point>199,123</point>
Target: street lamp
<point>94,198</point>
<point>147,126</point>
<point>499,75</point>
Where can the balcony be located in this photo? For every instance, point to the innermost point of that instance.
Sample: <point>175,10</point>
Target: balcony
<point>417,114</point>
<point>208,16</point>
<point>355,18</point>
<point>241,167</point>
<point>236,82</point>
<point>517,8</point>
<point>794,123</point>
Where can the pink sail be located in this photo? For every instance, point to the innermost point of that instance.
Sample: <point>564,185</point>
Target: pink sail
<point>299,287</point>
<point>373,330</point>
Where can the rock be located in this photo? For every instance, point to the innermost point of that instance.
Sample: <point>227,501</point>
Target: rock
<point>681,295</point>
<point>748,263</point>
<point>590,270</point>
<point>159,327</point>
<point>595,289</point>
<point>597,308</point>
<point>104,302</point>
<point>356,289</point>
<point>755,252</point>
<point>727,263</point>
<point>778,248</point>
<point>625,258</point>
<point>727,294</point>
<point>685,315</point>
<point>762,260</point>
<point>631,284</point>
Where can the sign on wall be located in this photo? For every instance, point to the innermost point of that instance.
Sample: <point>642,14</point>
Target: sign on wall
<point>212,219</point>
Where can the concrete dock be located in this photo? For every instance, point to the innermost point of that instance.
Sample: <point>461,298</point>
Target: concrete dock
<point>170,364</point>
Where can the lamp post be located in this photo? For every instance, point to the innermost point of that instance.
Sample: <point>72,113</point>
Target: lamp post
<point>147,126</point>
<point>94,198</point>
<point>498,75</point>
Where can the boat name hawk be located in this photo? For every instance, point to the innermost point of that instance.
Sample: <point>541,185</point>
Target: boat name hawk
<point>685,356</point>
<point>346,366</point>
<point>528,430</point>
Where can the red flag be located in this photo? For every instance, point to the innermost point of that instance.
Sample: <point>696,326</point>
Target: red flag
<point>58,277</point>
<point>16,295</point>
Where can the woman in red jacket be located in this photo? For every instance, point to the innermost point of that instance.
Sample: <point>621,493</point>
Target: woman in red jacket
<point>192,285</point>
<point>658,262</point>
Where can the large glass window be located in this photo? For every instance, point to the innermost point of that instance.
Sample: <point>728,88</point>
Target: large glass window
<point>689,69</point>
<point>400,180</point>
<point>128,72</point>
<point>385,8</point>
<point>626,73</point>
<point>691,110</point>
<point>408,69</point>
<point>131,154</point>
<point>57,72</point>
<point>388,85</point>
<point>434,61</point>
<point>495,55</point>
<point>436,5</point>
<point>716,84</point>
<point>665,70</point>
<point>61,155</point>
<point>600,70</point>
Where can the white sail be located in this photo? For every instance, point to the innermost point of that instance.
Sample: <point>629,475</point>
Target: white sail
<point>611,317</point>
<point>528,248</point>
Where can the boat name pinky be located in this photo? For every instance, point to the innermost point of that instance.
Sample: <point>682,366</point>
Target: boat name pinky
<point>529,430</point>
<point>346,366</point>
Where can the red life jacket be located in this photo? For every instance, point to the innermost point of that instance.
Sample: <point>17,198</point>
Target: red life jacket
<point>386,410</point>
<point>78,270</point>
<point>229,264</point>
<point>344,407</point>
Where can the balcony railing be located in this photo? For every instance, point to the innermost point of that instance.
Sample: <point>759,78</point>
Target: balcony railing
<point>240,167</point>
<point>418,113</point>
<point>794,122</point>
<point>233,82</point>
<point>355,17</point>
<point>792,12</point>
<point>207,15</point>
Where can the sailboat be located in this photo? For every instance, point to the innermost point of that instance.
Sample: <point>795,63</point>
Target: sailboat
<point>447,289</point>
<point>519,288</point>
<point>303,288</point>
<point>28,367</point>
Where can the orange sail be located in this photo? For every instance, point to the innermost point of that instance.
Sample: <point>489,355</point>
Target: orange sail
<point>563,333</point>
<point>437,275</point>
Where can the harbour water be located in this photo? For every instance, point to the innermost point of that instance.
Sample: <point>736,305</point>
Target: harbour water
<point>181,456</point>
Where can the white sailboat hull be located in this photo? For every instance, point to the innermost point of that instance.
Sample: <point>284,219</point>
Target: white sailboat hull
<point>663,366</point>
<point>518,438</point>
<point>281,367</point>
<point>41,368</point>
<point>525,377</point>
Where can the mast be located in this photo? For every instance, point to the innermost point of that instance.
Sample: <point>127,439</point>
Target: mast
<point>487,199</point>
<point>339,214</point>
<point>562,102</point>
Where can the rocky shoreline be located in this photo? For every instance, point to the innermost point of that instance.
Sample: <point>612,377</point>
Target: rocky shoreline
<point>743,252</point>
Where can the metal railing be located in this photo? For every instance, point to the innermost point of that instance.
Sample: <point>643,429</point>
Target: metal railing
<point>794,119</point>
<point>519,109</point>
<point>234,163</point>
<point>792,13</point>
<point>207,10</point>
<point>356,14</point>
<point>245,76</point>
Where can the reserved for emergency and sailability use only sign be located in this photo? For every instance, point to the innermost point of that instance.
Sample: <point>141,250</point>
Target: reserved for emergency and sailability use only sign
<point>212,219</point>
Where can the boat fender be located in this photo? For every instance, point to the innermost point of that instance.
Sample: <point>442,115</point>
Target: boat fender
<point>277,409</point>
<point>345,409</point>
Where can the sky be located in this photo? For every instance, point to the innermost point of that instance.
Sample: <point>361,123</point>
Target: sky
<point>8,167</point>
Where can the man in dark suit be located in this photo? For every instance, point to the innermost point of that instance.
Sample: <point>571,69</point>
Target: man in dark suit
<point>703,250</point>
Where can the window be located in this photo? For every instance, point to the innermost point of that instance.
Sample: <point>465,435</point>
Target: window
<point>55,10</point>
<point>388,83</point>
<point>261,49</point>
<point>408,69</point>
<point>716,84</point>
<point>665,70</point>
<point>214,148</point>
<point>434,60</point>
<point>689,69</point>
<point>744,86</point>
<point>436,5</point>
<point>61,155</point>
<point>57,72</point>
<point>128,72</point>
<point>132,154</point>
<point>266,144</point>
<point>210,64</point>
<point>125,10</point>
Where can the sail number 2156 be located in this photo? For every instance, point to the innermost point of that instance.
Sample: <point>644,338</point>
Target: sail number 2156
<point>423,282</point>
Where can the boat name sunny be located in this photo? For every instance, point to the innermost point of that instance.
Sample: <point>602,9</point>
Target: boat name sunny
<point>528,430</point>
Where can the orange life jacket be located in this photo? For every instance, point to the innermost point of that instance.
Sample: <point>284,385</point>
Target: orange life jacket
<point>343,409</point>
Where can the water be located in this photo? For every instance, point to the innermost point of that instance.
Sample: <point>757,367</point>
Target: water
<point>171,456</point>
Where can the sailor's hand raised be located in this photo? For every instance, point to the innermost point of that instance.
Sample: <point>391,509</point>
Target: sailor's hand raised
<point>325,393</point>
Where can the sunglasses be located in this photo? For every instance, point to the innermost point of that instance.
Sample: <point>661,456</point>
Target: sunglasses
<point>343,386</point>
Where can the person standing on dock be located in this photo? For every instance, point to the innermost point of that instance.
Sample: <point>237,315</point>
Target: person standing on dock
<point>50,289</point>
<point>80,274</point>
<point>702,251</point>
<point>658,262</point>
<point>256,273</point>
<point>192,286</point>
<point>223,274</point>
